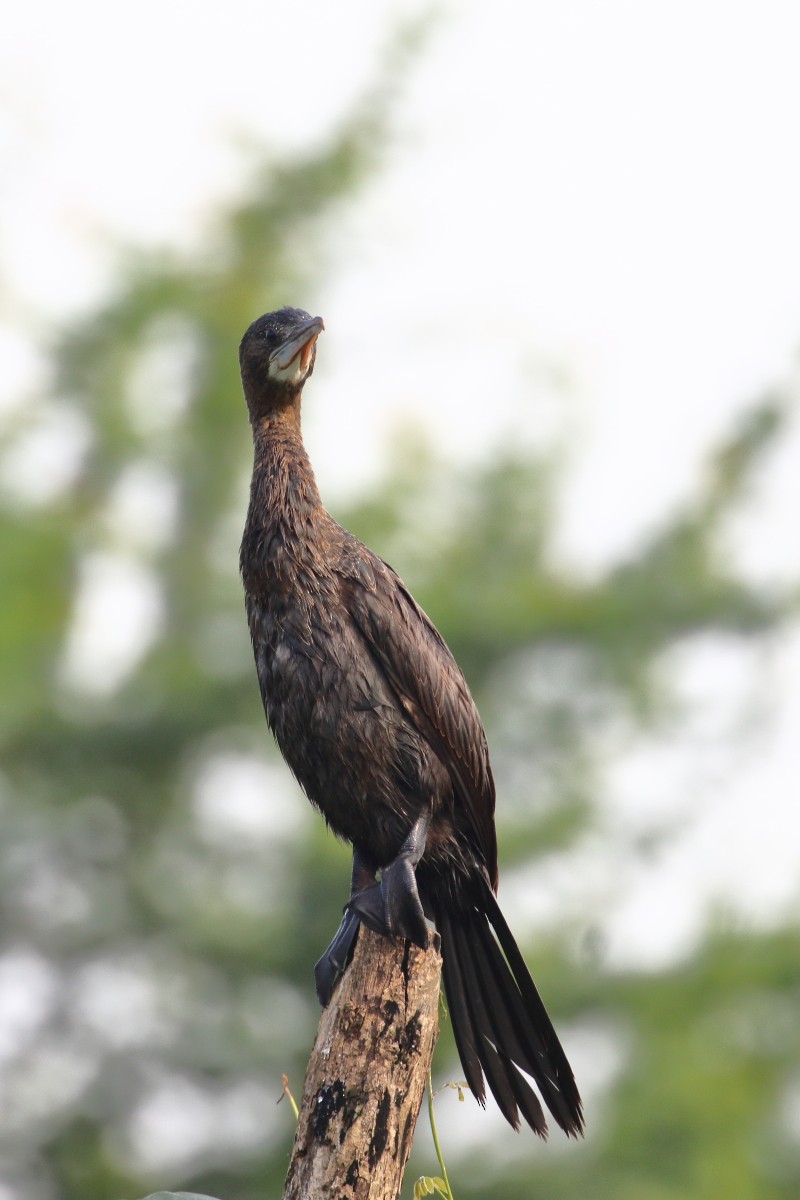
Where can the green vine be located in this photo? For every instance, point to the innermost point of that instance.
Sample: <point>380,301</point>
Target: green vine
<point>437,1185</point>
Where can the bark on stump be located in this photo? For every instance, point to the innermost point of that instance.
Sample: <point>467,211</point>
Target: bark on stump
<point>367,1074</point>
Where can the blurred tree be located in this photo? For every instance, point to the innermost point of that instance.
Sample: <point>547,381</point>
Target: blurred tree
<point>165,890</point>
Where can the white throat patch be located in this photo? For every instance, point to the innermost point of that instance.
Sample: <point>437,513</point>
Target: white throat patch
<point>293,374</point>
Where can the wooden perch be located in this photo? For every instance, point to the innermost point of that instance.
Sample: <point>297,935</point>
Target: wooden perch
<point>367,1074</point>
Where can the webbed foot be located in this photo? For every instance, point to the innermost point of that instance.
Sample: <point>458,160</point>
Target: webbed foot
<point>393,906</point>
<point>334,960</point>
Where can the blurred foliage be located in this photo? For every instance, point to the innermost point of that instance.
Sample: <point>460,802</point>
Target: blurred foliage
<point>165,889</point>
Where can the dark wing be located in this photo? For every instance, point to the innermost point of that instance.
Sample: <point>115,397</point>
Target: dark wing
<point>428,683</point>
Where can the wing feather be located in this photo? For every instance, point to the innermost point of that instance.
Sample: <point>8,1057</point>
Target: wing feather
<point>428,683</point>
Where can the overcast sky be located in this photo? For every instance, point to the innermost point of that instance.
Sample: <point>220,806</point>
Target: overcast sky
<point>590,214</point>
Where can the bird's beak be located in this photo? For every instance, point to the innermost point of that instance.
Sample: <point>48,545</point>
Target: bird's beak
<point>301,342</point>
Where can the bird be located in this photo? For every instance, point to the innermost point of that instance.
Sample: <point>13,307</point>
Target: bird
<point>375,719</point>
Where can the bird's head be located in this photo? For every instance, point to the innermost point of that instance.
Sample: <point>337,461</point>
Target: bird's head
<point>276,357</point>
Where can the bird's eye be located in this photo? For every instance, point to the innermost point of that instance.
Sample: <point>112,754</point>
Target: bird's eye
<point>272,337</point>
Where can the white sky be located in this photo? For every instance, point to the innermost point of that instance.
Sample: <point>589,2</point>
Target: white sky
<point>606,195</point>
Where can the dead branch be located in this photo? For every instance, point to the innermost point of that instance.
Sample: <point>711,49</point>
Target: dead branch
<point>367,1074</point>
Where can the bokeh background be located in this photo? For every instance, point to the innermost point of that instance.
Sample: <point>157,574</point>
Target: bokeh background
<point>557,252</point>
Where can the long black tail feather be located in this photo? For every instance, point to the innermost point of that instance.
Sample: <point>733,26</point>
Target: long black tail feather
<point>500,1024</point>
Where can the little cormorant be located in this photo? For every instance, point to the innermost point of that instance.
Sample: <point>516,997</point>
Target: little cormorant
<point>374,717</point>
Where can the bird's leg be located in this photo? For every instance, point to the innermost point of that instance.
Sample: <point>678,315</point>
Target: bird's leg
<point>331,965</point>
<point>391,907</point>
<point>394,908</point>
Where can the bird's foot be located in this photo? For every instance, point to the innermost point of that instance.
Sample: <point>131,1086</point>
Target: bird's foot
<point>334,960</point>
<point>393,907</point>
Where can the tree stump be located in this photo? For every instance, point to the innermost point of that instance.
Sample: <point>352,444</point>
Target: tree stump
<point>367,1074</point>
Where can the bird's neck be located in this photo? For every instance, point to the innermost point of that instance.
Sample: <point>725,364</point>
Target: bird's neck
<point>284,499</point>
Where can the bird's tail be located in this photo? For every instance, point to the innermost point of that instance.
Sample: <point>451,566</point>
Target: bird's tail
<point>499,1021</point>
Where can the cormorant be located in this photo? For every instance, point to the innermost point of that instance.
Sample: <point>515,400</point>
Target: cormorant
<point>374,718</point>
